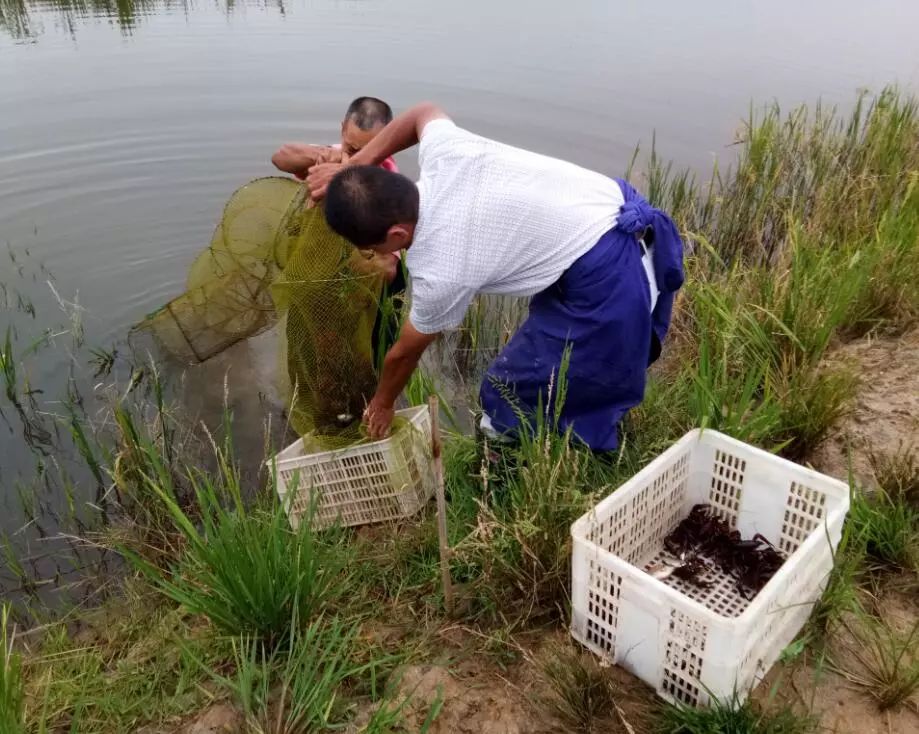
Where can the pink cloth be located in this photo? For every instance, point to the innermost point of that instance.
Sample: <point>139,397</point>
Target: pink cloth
<point>389,164</point>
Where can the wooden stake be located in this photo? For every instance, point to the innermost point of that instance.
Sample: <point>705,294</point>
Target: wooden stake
<point>434,407</point>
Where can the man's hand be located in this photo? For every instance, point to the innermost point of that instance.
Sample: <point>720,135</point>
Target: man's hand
<point>378,419</point>
<point>297,158</point>
<point>319,177</point>
<point>398,366</point>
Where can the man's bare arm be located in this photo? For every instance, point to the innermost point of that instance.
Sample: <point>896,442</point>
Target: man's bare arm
<point>298,158</point>
<point>400,362</point>
<point>403,132</point>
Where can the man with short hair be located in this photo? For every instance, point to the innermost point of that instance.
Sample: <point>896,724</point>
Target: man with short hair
<point>363,119</point>
<point>602,267</point>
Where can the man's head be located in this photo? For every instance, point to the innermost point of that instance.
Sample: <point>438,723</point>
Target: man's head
<point>365,117</point>
<point>373,207</point>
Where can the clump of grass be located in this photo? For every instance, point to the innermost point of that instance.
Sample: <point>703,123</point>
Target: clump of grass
<point>841,594</point>
<point>135,457</point>
<point>789,256</point>
<point>521,542</point>
<point>420,387</point>
<point>887,662</point>
<point>837,175</point>
<point>730,391</point>
<point>246,569</point>
<point>890,260</point>
<point>12,697</point>
<point>812,402</point>
<point>132,662</point>
<point>583,695</point>
<point>757,335</point>
<point>733,717</point>
<point>897,473</point>
<point>389,718</point>
<point>887,528</point>
<point>297,687</point>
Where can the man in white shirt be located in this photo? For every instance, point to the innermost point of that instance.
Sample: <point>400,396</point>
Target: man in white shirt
<point>485,217</point>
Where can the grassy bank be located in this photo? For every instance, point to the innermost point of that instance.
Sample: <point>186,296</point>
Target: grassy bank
<point>810,240</point>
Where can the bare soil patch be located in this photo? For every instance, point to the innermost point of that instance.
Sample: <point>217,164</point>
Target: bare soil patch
<point>885,410</point>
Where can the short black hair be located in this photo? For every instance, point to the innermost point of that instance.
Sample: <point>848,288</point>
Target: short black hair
<point>363,202</point>
<point>369,112</point>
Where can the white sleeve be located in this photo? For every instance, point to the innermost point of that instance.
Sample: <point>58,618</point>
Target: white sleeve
<point>438,306</point>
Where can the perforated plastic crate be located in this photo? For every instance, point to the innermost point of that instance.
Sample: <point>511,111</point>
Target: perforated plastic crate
<point>370,482</point>
<point>690,643</point>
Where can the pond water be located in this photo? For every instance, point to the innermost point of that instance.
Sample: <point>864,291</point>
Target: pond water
<point>124,125</point>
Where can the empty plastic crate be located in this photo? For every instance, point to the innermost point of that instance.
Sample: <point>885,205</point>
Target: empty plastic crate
<point>370,482</point>
<point>692,643</point>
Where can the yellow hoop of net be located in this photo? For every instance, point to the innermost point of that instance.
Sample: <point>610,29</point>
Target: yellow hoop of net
<point>273,257</point>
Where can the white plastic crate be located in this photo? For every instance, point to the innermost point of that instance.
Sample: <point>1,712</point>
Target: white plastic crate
<point>370,482</point>
<point>690,643</point>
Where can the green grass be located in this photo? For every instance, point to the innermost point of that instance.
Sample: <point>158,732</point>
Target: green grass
<point>733,717</point>
<point>897,472</point>
<point>132,661</point>
<point>421,386</point>
<point>583,696</point>
<point>528,496</point>
<point>887,528</point>
<point>836,175</point>
<point>297,687</point>
<point>886,660</point>
<point>841,595</point>
<point>12,696</point>
<point>245,569</point>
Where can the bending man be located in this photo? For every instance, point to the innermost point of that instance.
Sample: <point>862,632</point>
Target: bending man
<point>600,263</point>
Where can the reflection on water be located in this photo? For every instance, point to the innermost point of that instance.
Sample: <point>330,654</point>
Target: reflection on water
<point>20,18</point>
<point>17,16</point>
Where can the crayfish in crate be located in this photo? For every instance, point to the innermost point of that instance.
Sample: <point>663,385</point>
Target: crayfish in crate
<point>704,541</point>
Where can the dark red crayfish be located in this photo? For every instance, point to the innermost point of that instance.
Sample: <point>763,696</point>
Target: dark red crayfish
<point>704,538</point>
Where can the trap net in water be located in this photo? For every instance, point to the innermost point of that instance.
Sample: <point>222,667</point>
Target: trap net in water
<point>227,296</point>
<point>273,257</point>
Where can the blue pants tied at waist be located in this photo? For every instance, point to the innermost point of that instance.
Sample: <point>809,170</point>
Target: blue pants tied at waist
<point>601,309</point>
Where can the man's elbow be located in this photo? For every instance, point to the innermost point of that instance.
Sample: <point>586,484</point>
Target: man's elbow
<point>403,353</point>
<point>430,107</point>
<point>397,355</point>
<point>427,111</point>
<point>280,159</point>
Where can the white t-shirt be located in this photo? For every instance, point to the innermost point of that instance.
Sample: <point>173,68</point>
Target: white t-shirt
<point>497,219</point>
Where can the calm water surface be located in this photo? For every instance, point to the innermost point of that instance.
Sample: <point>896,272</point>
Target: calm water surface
<point>125,125</point>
